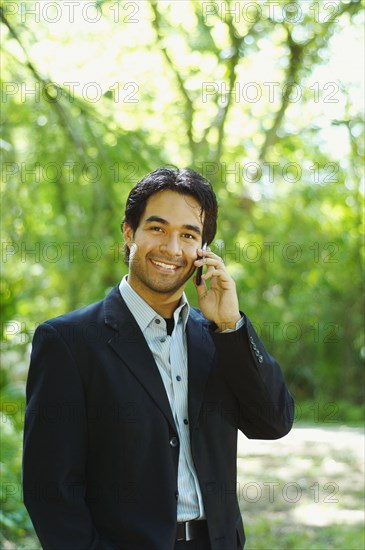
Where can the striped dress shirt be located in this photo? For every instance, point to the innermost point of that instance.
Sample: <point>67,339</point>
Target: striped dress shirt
<point>170,354</point>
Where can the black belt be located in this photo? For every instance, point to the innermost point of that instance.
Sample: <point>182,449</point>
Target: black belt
<point>190,530</point>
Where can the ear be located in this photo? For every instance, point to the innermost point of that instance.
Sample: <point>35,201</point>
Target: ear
<point>128,233</point>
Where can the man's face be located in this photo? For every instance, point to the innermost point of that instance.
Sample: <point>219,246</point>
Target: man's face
<point>164,246</point>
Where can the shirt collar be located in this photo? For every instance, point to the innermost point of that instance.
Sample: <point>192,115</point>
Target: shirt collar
<point>143,313</point>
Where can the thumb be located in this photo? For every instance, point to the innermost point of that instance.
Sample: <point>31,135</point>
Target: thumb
<point>201,289</point>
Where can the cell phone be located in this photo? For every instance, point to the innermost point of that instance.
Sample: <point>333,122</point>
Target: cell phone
<point>200,269</point>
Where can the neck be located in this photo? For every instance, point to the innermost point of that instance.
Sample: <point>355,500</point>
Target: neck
<point>163,304</point>
<point>166,310</point>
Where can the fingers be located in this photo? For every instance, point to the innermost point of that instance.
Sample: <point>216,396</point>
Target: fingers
<point>213,263</point>
<point>214,267</point>
<point>217,263</point>
<point>218,274</point>
<point>216,270</point>
<point>208,259</point>
<point>207,253</point>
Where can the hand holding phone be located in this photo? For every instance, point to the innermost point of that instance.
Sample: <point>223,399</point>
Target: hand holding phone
<point>200,269</point>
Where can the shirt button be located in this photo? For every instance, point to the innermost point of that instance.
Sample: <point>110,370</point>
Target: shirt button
<point>186,421</point>
<point>174,442</point>
<point>157,321</point>
<point>178,378</point>
<point>162,340</point>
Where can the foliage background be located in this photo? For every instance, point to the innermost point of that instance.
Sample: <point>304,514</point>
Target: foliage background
<point>263,99</point>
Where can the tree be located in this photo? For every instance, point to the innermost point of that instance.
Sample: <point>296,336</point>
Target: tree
<point>96,97</point>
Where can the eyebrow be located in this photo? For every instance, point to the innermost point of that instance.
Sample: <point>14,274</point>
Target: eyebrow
<point>188,227</point>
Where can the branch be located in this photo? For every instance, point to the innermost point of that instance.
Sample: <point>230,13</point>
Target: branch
<point>189,108</point>
<point>237,45</point>
<point>232,77</point>
<point>44,82</point>
<point>296,55</point>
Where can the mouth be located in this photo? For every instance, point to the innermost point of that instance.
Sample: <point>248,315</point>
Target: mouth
<point>165,267</point>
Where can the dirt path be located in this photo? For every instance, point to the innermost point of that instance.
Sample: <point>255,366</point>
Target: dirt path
<point>313,477</point>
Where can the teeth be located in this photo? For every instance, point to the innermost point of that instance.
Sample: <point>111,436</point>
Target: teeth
<point>166,266</point>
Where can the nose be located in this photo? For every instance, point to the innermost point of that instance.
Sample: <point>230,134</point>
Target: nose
<point>171,246</point>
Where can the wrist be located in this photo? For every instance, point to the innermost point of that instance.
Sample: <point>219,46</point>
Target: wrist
<point>228,323</point>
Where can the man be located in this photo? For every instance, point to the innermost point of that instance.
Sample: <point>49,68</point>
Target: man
<point>133,403</point>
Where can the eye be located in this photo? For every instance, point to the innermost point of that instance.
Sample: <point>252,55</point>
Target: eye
<point>155,228</point>
<point>189,236</point>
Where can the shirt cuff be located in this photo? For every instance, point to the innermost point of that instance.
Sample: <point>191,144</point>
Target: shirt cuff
<point>239,324</point>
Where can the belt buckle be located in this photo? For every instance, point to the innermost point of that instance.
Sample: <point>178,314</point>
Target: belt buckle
<point>185,531</point>
<point>189,531</point>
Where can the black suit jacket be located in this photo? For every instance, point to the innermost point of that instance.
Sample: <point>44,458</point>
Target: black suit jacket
<point>100,444</point>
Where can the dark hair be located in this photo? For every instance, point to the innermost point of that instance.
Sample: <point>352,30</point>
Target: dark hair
<point>184,181</point>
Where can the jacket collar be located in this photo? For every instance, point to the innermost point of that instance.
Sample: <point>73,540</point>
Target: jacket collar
<point>130,345</point>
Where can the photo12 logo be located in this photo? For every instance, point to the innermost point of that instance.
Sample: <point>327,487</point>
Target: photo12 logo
<point>253,92</point>
<point>252,12</point>
<point>71,11</point>
<point>119,92</point>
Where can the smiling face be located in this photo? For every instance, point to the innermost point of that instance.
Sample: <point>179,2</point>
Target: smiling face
<point>164,246</point>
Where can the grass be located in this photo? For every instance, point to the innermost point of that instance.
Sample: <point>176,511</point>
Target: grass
<point>278,535</point>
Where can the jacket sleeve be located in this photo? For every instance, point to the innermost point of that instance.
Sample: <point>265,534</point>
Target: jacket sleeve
<point>55,442</point>
<point>265,406</point>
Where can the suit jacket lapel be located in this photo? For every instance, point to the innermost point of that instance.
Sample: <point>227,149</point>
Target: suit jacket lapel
<point>130,345</point>
<point>200,360</point>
